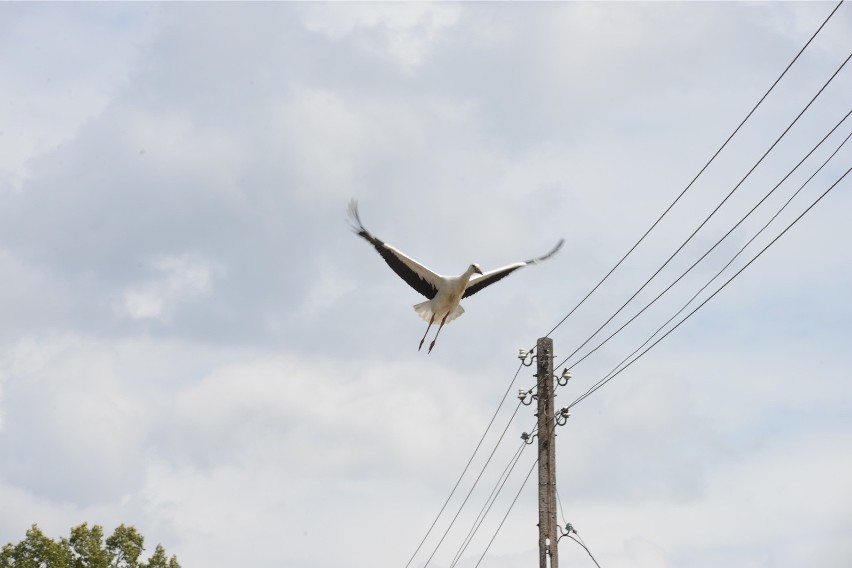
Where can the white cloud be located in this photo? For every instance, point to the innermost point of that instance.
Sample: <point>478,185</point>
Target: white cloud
<point>245,434</point>
<point>327,142</point>
<point>177,279</point>
<point>405,32</point>
<point>742,504</point>
<point>76,404</point>
<point>47,104</point>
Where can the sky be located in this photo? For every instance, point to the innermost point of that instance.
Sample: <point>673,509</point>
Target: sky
<point>193,341</point>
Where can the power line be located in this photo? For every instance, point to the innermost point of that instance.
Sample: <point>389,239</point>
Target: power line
<point>472,487</point>
<point>586,548</point>
<point>614,374</point>
<point>479,444</point>
<point>559,500</point>
<point>552,428</point>
<point>492,498</point>
<point>701,171</point>
<point>692,299</point>
<point>480,518</point>
<point>469,461</point>
<point>743,248</point>
<point>706,219</point>
<point>718,242</point>
<point>509,510</point>
<point>481,473</point>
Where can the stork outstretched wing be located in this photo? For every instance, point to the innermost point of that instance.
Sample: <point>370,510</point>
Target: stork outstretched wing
<point>478,282</point>
<point>415,274</point>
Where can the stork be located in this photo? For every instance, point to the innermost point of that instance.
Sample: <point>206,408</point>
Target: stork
<point>443,293</point>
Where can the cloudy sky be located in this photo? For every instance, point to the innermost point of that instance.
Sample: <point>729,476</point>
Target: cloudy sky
<point>193,342</point>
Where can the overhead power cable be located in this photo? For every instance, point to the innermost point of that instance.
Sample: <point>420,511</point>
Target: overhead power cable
<point>716,244</point>
<point>491,422</point>
<point>586,548</point>
<point>561,510</point>
<point>514,500</point>
<point>716,209</point>
<point>473,486</point>
<point>509,510</point>
<point>694,179</point>
<point>614,374</point>
<point>467,466</point>
<point>486,507</point>
<point>694,296</point>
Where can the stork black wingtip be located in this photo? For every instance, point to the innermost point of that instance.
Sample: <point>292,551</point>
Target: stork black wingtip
<point>548,255</point>
<point>557,247</point>
<point>354,218</point>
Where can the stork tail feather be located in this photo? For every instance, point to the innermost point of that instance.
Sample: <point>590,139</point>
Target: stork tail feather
<point>424,310</point>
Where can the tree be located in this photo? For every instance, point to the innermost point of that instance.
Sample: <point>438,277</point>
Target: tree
<point>36,551</point>
<point>86,548</point>
<point>126,546</point>
<point>159,560</point>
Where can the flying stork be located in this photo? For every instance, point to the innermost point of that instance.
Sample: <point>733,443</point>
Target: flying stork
<point>443,293</point>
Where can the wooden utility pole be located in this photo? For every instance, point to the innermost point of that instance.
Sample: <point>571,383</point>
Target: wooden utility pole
<point>546,456</point>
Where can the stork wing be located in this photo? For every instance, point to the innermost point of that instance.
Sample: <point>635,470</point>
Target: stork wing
<point>478,282</point>
<point>415,274</point>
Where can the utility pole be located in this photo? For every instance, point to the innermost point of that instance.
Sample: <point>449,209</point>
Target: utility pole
<point>546,456</point>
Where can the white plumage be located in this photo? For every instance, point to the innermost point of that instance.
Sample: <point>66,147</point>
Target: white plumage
<point>443,292</point>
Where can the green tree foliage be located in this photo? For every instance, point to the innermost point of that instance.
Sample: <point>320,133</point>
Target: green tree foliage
<point>159,560</point>
<point>86,548</point>
<point>126,546</point>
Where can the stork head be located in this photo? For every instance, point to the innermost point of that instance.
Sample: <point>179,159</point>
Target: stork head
<point>475,268</point>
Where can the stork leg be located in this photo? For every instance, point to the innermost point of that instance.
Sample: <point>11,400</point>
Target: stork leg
<point>439,331</point>
<point>431,321</point>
